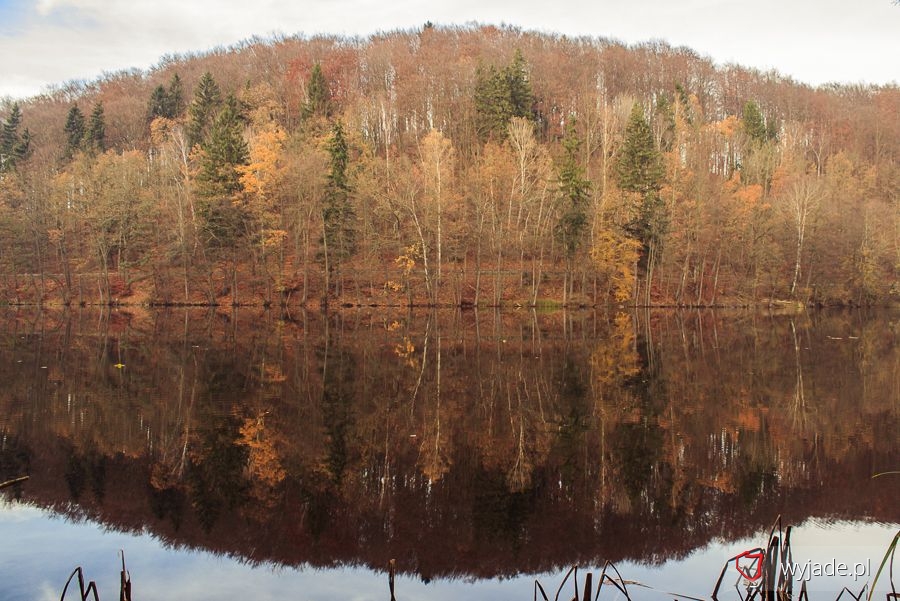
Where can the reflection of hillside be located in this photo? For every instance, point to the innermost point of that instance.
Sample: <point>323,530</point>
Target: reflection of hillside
<point>456,443</point>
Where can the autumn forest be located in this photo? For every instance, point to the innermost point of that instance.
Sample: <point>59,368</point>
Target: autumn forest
<point>450,166</point>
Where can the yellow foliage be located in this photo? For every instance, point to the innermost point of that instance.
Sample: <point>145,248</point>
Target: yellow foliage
<point>265,170</point>
<point>407,261</point>
<point>615,255</point>
<point>615,359</point>
<point>405,350</point>
<point>264,462</point>
<point>728,126</point>
<point>273,238</point>
<point>160,130</point>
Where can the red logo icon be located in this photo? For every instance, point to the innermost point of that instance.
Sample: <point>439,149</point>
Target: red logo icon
<point>749,564</point>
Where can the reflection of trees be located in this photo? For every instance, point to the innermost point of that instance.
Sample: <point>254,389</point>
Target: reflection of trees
<point>15,458</point>
<point>798,408</point>
<point>173,438</point>
<point>86,470</point>
<point>537,438</point>
<point>337,402</point>
<point>216,467</point>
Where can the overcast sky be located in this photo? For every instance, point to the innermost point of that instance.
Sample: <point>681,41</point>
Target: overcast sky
<point>45,42</point>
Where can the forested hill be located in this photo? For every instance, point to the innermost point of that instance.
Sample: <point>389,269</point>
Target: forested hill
<point>473,165</point>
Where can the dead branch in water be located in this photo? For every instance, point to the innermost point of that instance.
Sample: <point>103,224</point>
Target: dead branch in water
<point>13,482</point>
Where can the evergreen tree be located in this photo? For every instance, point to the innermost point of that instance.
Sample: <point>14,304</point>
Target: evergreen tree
<point>167,103</point>
<point>640,171</point>
<point>219,180</point>
<point>174,98</point>
<point>13,146</point>
<point>95,136</point>
<point>500,95</point>
<point>318,95</point>
<point>9,133</point>
<point>338,214</point>
<point>493,106</point>
<point>223,151</point>
<point>74,130</point>
<point>640,167</point>
<point>574,191</point>
<point>158,105</point>
<point>520,96</point>
<point>755,124</point>
<point>204,107</point>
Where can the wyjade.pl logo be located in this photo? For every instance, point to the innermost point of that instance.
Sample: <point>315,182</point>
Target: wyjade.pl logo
<point>749,565</point>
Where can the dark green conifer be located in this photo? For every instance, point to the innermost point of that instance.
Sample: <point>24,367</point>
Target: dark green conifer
<point>167,103</point>
<point>640,167</point>
<point>500,95</point>
<point>318,95</point>
<point>14,147</point>
<point>338,214</point>
<point>640,171</point>
<point>204,107</point>
<point>574,191</point>
<point>755,125</point>
<point>158,105</point>
<point>95,136</point>
<point>74,130</point>
<point>520,95</point>
<point>174,98</point>
<point>224,149</point>
<point>219,181</point>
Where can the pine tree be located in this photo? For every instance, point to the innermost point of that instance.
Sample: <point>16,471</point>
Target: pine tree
<point>9,133</point>
<point>224,149</point>
<point>520,95</point>
<point>174,98</point>
<point>493,106</point>
<point>318,96</point>
<point>640,167</point>
<point>219,181</point>
<point>158,105</point>
<point>74,130</point>
<point>574,192</point>
<point>206,103</point>
<point>755,125</point>
<point>167,103</point>
<point>338,213</point>
<point>339,235</point>
<point>14,147</point>
<point>500,95</point>
<point>753,122</point>
<point>640,171</point>
<point>95,136</point>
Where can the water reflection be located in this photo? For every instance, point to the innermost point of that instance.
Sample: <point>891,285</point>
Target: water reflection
<point>461,444</point>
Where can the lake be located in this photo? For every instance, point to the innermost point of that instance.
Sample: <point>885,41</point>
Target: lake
<point>236,454</point>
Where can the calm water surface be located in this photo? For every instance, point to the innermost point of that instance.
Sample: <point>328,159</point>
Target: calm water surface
<point>243,455</point>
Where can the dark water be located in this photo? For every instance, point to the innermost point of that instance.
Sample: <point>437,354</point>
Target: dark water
<point>242,454</point>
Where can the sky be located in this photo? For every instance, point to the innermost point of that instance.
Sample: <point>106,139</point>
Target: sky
<point>38,549</point>
<point>47,42</point>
